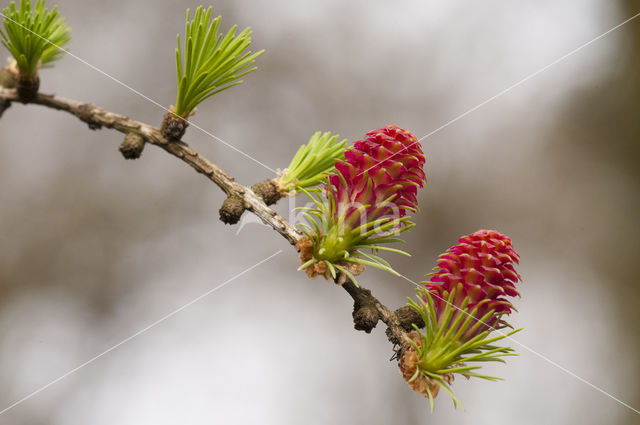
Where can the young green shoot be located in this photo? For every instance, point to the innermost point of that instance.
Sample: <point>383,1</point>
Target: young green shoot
<point>209,62</point>
<point>33,35</point>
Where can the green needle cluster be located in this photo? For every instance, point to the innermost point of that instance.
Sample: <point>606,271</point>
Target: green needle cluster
<point>212,62</point>
<point>33,35</point>
<point>336,245</point>
<point>313,161</point>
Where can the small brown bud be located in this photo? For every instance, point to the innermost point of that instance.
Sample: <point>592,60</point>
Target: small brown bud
<point>231,210</point>
<point>407,316</point>
<point>365,318</point>
<point>132,146</point>
<point>173,127</point>
<point>267,190</point>
<point>28,87</point>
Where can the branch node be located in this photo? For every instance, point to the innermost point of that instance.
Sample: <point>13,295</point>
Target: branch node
<point>365,317</point>
<point>235,204</point>
<point>268,191</point>
<point>231,210</point>
<point>28,88</point>
<point>173,127</point>
<point>132,146</point>
<point>85,112</point>
<point>407,316</point>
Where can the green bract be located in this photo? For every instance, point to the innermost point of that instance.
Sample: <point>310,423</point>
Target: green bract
<point>338,246</point>
<point>442,350</point>
<point>33,36</point>
<point>312,162</point>
<point>212,62</point>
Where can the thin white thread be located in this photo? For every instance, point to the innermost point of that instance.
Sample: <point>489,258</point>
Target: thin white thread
<point>147,98</point>
<point>511,87</point>
<point>141,331</point>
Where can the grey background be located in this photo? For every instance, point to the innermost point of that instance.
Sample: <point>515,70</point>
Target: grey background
<point>94,248</point>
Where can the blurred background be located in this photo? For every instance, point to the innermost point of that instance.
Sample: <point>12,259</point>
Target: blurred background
<point>94,248</point>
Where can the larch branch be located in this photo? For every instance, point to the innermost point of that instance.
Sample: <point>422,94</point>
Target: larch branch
<point>97,117</point>
<point>368,310</point>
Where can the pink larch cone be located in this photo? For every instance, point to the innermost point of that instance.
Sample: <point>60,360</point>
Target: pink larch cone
<point>388,161</point>
<point>368,195</point>
<point>481,266</point>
